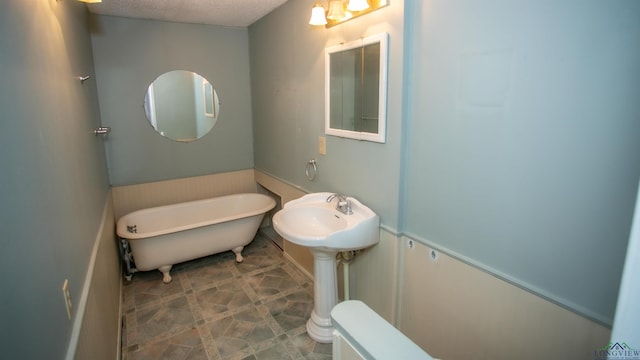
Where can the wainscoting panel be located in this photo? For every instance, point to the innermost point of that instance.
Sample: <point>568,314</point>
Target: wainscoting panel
<point>374,276</point>
<point>96,333</point>
<point>130,198</point>
<point>298,254</point>
<point>456,311</point>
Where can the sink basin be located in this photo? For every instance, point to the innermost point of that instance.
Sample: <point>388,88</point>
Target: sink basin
<point>312,222</point>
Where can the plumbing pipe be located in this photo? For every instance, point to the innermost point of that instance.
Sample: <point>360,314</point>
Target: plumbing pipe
<point>346,257</point>
<point>345,271</point>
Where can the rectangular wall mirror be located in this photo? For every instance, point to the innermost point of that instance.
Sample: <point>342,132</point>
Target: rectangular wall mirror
<point>356,89</point>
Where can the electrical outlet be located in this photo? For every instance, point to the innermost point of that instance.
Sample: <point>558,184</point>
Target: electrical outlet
<point>322,145</point>
<point>67,297</point>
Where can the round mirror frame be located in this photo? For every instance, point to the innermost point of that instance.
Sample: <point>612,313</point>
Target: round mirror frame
<point>181,105</point>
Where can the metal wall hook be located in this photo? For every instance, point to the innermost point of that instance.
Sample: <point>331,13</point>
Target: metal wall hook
<point>102,130</point>
<point>84,78</point>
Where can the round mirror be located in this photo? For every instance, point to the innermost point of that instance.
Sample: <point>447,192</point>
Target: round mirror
<point>181,105</point>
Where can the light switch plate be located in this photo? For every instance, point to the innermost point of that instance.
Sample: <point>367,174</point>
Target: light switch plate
<point>322,145</point>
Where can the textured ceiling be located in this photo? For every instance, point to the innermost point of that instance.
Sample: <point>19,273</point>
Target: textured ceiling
<point>214,12</point>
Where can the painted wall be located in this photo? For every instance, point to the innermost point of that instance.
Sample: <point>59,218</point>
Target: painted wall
<point>129,54</point>
<point>287,84</point>
<point>523,141</point>
<point>53,182</point>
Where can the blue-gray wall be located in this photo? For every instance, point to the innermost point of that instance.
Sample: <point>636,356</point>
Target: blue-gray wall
<point>287,84</point>
<point>129,54</point>
<point>522,132</point>
<point>523,141</point>
<point>53,179</point>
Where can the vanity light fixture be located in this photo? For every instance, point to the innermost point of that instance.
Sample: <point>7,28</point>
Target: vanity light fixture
<point>342,10</point>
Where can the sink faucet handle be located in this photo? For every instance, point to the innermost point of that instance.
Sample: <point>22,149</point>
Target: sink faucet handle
<point>340,196</point>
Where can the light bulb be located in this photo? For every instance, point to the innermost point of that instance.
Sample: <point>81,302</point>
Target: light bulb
<point>357,5</point>
<point>317,15</point>
<point>336,10</point>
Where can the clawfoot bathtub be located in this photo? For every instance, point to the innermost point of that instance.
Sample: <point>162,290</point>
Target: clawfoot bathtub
<point>162,236</point>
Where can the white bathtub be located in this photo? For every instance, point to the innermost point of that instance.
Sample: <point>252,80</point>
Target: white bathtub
<point>162,236</point>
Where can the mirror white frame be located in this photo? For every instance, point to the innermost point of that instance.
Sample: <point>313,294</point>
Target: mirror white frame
<point>380,135</point>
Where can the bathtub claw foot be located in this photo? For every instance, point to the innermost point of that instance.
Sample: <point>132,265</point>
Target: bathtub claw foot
<point>238,252</point>
<point>166,277</point>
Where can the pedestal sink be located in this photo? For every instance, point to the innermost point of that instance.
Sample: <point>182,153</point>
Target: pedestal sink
<point>316,223</point>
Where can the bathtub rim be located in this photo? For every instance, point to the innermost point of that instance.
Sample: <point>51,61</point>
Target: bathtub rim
<point>121,224</point>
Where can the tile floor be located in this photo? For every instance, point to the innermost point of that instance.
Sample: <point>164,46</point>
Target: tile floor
<point>217,309</point>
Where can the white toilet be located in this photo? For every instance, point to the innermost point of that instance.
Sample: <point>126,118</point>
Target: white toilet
<point>360,333</point>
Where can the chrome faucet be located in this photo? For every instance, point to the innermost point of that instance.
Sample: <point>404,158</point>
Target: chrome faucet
<point>344,205</point>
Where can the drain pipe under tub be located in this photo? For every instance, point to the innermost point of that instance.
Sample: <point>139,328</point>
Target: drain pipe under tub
<point>346,257</point>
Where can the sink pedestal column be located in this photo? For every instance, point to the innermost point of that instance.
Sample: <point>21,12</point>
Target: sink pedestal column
<point>325,293</point>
